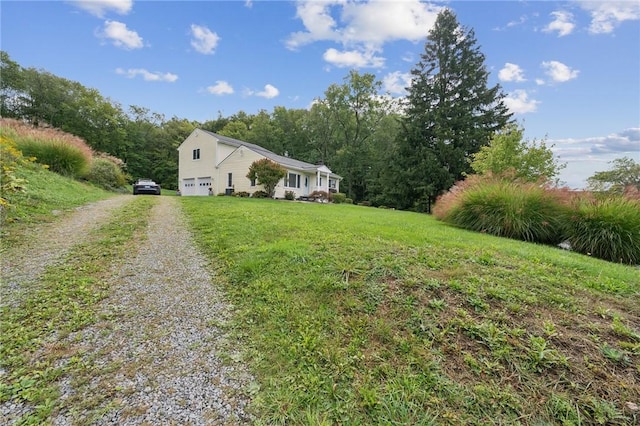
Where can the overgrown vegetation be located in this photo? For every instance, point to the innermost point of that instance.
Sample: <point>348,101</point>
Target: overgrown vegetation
<point>389,317</point>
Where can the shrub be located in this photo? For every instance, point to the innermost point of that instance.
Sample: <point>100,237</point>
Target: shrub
<point>364,203</point>
<point>505,208</point>
<point>321,196</point>
<point>348,201</point>
<point>106,174</point>
<point>289,195</point>
<point>339,198</point>
<point>242,194</point>
<point>259,194</point>
<point>606,228</point>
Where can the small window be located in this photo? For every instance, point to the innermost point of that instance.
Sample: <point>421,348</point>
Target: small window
<point>253,182</point>
<point>230,180</point>
<point>196,154</point>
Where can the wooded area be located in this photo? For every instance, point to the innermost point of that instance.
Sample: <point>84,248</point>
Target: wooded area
<point>397,152</point>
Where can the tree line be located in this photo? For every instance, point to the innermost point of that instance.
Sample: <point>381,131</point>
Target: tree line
<point>398,152</point>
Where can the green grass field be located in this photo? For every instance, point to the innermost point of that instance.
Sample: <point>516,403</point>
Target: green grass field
<point>354,315</point>
<point>358,316</point>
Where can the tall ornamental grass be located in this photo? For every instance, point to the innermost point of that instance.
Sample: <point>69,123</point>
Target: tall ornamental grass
<point>505,208</point>
<point>606,228</point>
<point>60,157</point>
<point>62,152</point>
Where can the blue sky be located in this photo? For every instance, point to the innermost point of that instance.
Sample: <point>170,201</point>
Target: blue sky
<point>570,69</point>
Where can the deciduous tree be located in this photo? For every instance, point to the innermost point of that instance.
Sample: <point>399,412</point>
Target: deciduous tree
<point>266,173</point>
<point>625,173</point>
<point>508,152</point>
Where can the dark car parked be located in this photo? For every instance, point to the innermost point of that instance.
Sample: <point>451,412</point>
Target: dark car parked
<point>146,186</point>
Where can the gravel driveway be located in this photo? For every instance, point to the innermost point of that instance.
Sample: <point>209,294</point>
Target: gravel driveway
<point>157,350</point>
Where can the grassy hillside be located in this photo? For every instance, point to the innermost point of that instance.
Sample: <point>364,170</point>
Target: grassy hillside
<point>46,194</point>
<point>354,315</point>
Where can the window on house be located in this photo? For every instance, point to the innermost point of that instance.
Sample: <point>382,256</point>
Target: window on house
<point>230,180</point>
<point>196,154</point>
<point>253,182</point>
<point>292,180</point>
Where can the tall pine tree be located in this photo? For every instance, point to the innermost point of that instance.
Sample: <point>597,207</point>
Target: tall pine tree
<point>451,113</point>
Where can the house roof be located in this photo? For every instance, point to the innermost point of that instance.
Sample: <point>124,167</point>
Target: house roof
<point>280,159</point>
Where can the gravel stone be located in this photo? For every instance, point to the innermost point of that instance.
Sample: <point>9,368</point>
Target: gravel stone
<point>48,244</point>
<point>155,354</point>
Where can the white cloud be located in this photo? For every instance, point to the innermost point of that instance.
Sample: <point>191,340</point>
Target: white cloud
<point>606,15</point>
<point>100,7</point>
<point>353,59</point>
<point>518,102</point>
<point>204,40</point>
<point>559,72</point>
<point>396,82</point>
<point>539,82</point>
<point>586,156</point>
<point>147,75</point>
<point>563,23</point>
<point>269,92</point>
<point>361,27</point>
<point>515,23</point>
<point>121,36</point>
<point>624,142</point>
<point>380,21</point>
<point>220,88</point>
<point>511,72</point>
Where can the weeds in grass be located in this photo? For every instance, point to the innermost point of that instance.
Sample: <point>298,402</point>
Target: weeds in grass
<point>542,356</point>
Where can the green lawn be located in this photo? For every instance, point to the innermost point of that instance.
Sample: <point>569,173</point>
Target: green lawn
<point>354,315</point>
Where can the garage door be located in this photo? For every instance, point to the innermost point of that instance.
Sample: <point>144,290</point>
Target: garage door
<point>188,187</point>
<point>203,185</point>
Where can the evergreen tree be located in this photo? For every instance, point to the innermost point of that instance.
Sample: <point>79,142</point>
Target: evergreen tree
<point>451,113</point>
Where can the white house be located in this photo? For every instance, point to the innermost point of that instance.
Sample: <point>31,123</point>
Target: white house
<point>212,163</point>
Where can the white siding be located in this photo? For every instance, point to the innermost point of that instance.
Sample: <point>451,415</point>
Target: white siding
<point>238,164</point>
<point>215,160</point>
<point>191,169</point>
